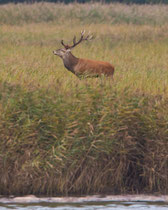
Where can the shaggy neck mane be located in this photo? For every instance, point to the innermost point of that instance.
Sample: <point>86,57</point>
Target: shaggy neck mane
<point>70,61</point>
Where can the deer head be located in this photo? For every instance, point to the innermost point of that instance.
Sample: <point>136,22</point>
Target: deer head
<point>67,48</point>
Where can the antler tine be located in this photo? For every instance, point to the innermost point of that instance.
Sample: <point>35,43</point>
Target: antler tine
<point>66,46</point>
<point>62,42</point>
<point>74,40</point>
<point>82,38</point>
<point>82,32</point>
<point>88,37</point>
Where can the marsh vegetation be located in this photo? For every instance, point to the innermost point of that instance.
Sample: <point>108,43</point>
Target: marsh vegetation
<point>62,135</point>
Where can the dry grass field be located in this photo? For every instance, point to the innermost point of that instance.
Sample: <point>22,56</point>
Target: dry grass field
<point>62,135</point>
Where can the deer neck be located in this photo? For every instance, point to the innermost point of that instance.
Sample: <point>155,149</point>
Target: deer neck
<point>70,61</point>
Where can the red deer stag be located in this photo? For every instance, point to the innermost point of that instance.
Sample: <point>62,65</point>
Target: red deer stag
<point>83,67</point>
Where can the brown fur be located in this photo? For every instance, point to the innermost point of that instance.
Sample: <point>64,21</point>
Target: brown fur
<point>84,67</point>
<point>93,68</point>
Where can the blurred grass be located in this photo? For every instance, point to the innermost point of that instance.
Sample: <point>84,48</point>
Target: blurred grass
<point>62,135</point>
<point>15,14</point>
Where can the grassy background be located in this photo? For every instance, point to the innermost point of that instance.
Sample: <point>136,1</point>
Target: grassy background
<point>62,135</point>
<point>84,13</point>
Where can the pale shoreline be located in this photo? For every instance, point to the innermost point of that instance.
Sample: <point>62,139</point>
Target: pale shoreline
<point>93,198</point>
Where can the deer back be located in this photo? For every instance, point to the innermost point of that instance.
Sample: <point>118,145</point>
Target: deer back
<point>92,67</point>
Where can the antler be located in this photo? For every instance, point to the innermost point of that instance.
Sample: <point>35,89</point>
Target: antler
<point>82,38</point>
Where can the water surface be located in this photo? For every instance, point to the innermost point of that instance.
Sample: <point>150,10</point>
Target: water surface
<point>125,202</point>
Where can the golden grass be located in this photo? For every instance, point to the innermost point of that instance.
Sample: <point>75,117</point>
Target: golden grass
<point>63,135</point>
<point>139,54</point>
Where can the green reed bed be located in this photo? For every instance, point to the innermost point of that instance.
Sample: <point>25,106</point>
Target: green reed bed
<point>89,140</point>
<point>60,135</point>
